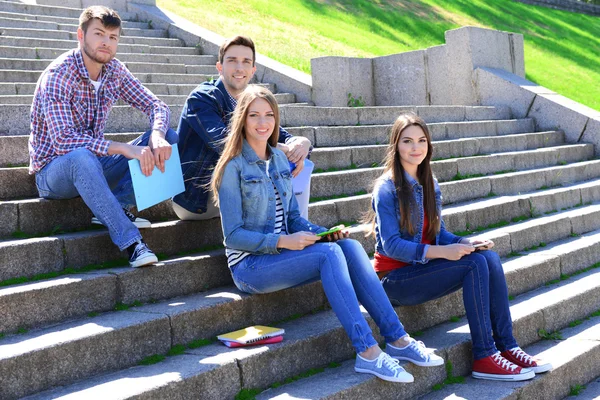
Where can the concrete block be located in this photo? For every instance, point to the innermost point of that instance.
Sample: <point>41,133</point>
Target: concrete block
<point>165,279</point>
<point>503,144</point>
<point>14,151</point>
<point>575,153</point>
<point>513,126</point>
<point>484,113</point>
<point>553,111</point>
<point>591,134</point>
<point>455,220</point>
<point>38,216</point>
<point>14,119</point>
<point>533,232</point>
<point>286,78</point>
<point>86,248</point>
<point>444,170</point>
<point>432,114</point>
<point>332,157</point>
<point>554,200</point>
<point>323,213</point>
<point>350,136</point>
<point>591,169</point>
<point>168,380</point>
<point>381,115</point>
<point>308,133</point>
<point>452,148</point>
<point>29,257</point>
<point>530,272</point>
<point>545,139</point>
<point>352,208</point>
<point>437,131</point>
<point>579,254</point>
<point>107,342</point>
<point>487,212</point>
<point>315,116</point>
<point>9,215</point>
<point>497,87</point>
<point>590,193</point>
<point>471,129</point>
<point>536,159</point>
<point>518,182</point>
<point>438,77</point>
<point>456,191</point>
<point>344,182</point>
<point>486,164</point>
<point>352,76</point>
<point>400,79</point>
<point>585,220</point>
<point>365,156</point>
<point>42,303</point>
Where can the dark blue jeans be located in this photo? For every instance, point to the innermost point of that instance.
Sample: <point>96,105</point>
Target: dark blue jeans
<point>485,295</point>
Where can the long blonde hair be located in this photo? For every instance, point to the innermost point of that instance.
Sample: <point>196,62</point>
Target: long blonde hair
<point>404,191</point>
<point>236,134</point>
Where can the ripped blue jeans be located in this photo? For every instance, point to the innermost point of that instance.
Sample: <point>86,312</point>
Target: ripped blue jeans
<point>347,277</point>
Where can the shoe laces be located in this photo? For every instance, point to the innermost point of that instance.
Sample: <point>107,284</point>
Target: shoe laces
<point>420,348</point>
<point>390,363</point>
<point>520,355</point>
<point>129,215</point>
<point>503,362</point>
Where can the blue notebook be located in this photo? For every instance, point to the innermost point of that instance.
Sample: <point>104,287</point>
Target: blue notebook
<point>151,190</point>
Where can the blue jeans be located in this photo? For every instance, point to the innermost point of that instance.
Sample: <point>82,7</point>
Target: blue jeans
<point>104,184</point>
<point>485,295</point>
<point>347,276</point>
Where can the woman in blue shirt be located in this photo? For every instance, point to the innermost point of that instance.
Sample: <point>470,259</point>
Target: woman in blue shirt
<point>270,247</point>
<point>418,260</point>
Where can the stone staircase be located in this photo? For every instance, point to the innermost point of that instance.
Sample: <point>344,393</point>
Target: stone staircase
<point>76,322</point>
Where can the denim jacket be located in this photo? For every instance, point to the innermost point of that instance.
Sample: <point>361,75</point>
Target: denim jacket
<point>203,123</point>
<point>247,202</point>
<point>391,241</point>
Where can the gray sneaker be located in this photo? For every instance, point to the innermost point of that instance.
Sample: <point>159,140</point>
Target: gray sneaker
<point>383,367</point>
<point>416,353</point>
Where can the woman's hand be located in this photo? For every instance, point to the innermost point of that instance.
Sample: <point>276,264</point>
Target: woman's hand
<point>487,244</point>
<point>335,236</point>
<point>297,241</point>
<point>456,251</point>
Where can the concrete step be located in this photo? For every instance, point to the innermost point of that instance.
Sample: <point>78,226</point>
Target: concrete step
<point>574,359</point>
<point>328,136</point>
<point>28,88</point>
<point>145,77</point>
<point>39,53</point>
<point>68,12</point>
<point>124,119</point>
<point>15,147</point>
<point>65,20</point>
<point>20,21</point>
<point>123,47</point>
<point>63,35</point>
<point>349,116</point>
<point>316,340</point>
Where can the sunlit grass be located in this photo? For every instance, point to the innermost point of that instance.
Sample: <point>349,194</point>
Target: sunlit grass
<point>562,49</point>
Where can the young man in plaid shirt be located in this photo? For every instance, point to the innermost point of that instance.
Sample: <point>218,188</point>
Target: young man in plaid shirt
<point>68,152</point>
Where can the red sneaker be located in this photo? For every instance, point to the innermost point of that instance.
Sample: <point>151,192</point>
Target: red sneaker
<point>522,359</point>
<point>498,368</point>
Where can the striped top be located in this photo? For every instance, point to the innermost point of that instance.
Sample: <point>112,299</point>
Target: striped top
<point>235,256</point>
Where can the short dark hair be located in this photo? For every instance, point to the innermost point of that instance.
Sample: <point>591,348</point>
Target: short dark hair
<point>237,41</point>
<point>108,17</point>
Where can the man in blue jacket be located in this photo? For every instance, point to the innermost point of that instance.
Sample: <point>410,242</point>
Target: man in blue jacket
<point>204,120</point>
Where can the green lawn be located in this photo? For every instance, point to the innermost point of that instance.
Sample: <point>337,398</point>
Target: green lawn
<point>562,49</point>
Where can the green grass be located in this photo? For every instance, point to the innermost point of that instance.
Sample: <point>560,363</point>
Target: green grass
<point>556,335</point>
<point>576,390</point>
<point>561,48</point>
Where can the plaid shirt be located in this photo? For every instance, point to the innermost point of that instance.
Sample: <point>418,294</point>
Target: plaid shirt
<point>66,114</point>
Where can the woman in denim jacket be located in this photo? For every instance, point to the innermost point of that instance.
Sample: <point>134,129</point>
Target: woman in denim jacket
<point>270,247</point>
<point>418,260</point>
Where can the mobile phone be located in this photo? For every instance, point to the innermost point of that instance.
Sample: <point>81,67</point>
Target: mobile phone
<point>332,230</point>
<point>478,245</point>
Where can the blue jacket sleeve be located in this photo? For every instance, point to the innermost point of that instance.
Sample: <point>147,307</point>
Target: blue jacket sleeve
<point>204,114</point>
<point>236,237</point>
<point>387,220</point>
<point>284,135</point>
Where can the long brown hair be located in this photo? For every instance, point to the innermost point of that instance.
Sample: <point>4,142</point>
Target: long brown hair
<point>236,134</point>
<point>393,166</point>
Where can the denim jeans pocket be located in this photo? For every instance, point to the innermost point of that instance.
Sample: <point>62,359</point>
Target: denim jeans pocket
<point>42,185</point>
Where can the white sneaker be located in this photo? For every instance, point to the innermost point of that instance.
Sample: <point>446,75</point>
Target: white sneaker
<point>383,367</point>
<point>137,221</point>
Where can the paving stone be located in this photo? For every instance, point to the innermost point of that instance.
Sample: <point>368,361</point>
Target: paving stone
<point>43,255</point>
<point>9,215</point>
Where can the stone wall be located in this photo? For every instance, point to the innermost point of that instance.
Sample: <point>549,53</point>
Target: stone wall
<point>476,66</point>
<point>566,5</point>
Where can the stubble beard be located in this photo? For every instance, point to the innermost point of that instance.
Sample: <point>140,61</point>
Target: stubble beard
<point>93,55</point>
